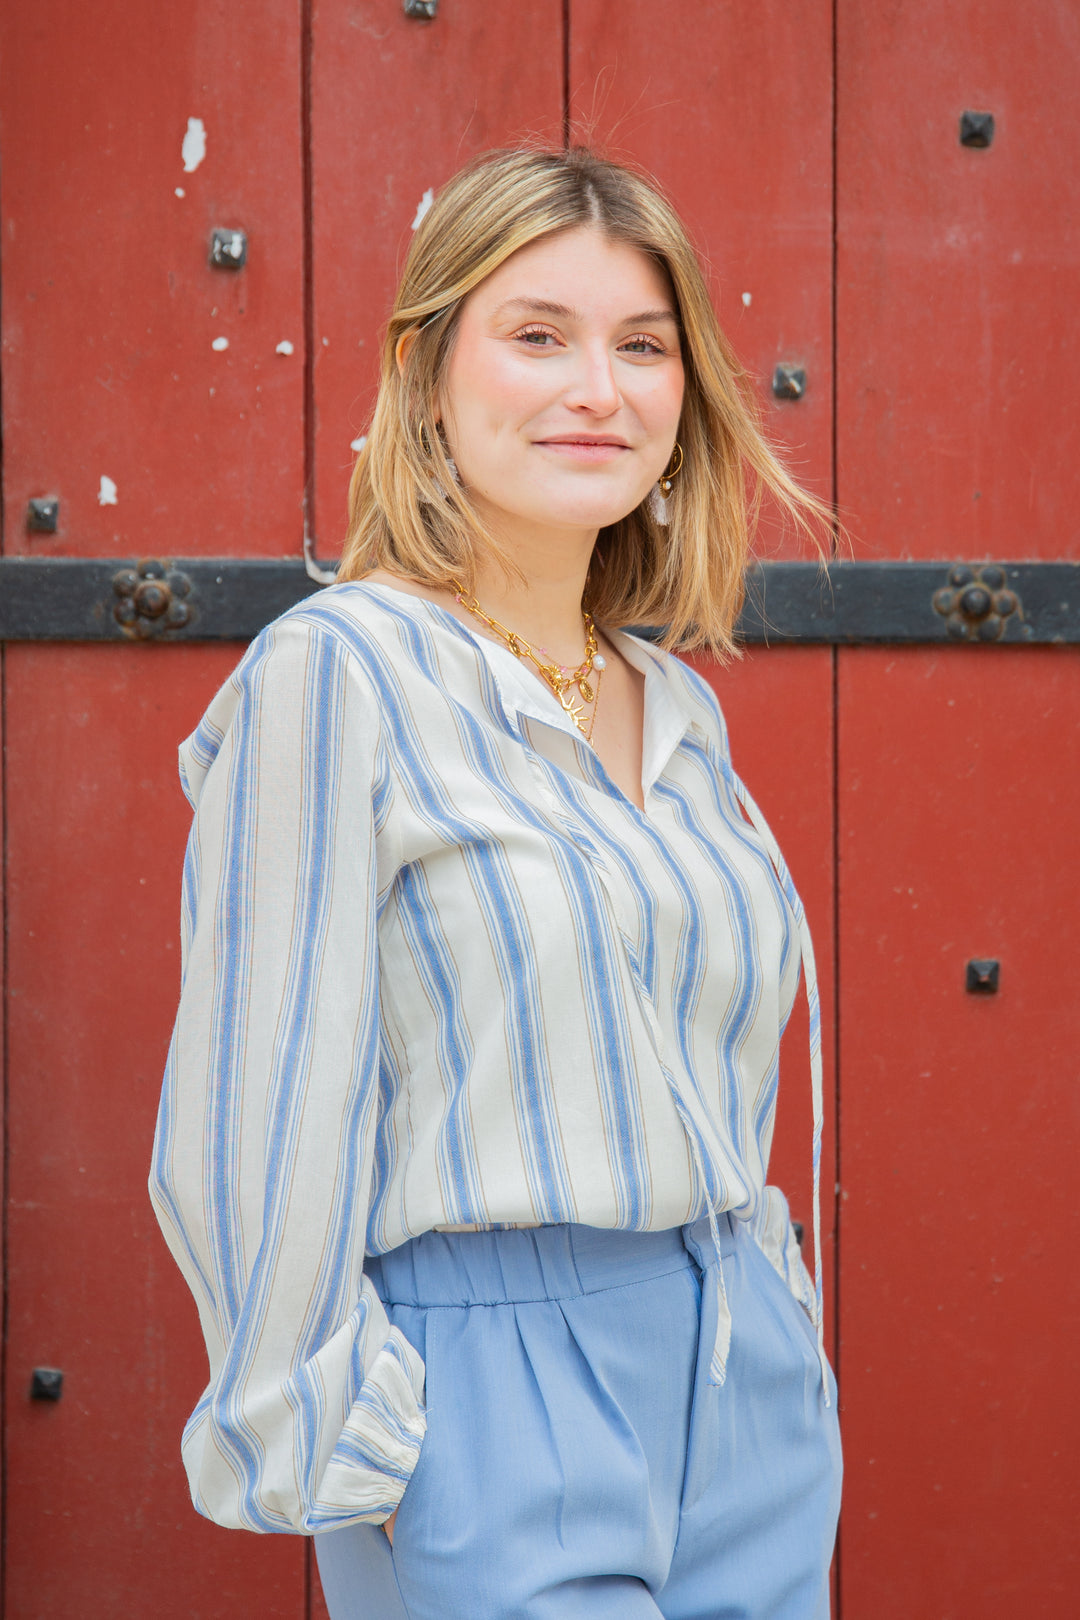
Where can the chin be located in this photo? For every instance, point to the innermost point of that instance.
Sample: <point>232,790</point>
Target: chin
<point>572,512</point>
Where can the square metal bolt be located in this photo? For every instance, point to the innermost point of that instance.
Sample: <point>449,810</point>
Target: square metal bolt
<point>228,249</point>
<point>46,1384</point>
<point>789,382</point>
<point>43,514</point>
<point>976,128</point>
<point>421,8</point>
<point>982,976</point>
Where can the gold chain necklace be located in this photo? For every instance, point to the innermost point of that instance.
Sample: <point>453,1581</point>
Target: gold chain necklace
<point>561,680</point>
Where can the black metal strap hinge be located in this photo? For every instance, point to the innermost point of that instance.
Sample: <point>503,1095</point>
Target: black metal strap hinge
<point>232,599</point>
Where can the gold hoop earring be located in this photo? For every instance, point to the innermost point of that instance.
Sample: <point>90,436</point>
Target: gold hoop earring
<point>422,438</point>
<point>672,469</point>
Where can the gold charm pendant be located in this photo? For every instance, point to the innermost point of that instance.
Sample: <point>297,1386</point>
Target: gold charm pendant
<point>572,710</point>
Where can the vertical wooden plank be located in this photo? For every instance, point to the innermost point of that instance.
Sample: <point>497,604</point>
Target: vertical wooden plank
<point>398,104</point>
<point>147,390</point>
<point>162,401</point>
<point>956,270</point>
<point>960,1310</point>
<point>730,106</point>
<point>99,1519</point>
<point>952,440</point>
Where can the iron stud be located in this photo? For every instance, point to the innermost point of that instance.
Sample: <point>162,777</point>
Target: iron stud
<point>976,128</point>
<point>789,381</point>
<point>228,249</point>
<point>46,1384</point>
<point>150,599</point>
<point>43,514</point>
<point>982,976</point>
<point>973,604</point>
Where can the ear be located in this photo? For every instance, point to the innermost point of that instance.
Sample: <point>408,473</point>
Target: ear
<point>404,344</point>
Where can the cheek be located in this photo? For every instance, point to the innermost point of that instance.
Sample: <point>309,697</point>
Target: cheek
<point>492,392</point>
<point>660,401</point>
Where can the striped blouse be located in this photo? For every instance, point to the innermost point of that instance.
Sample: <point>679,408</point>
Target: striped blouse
<point>439,970</point>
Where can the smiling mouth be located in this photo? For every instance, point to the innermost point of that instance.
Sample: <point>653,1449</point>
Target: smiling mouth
<point>611,444</point>
<point>585,449</point>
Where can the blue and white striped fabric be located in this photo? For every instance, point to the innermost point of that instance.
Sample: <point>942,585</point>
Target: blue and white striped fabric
<point>438,970</point>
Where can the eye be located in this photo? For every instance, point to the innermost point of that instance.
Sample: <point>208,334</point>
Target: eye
<point>537,337</point>
<point>643,344</point>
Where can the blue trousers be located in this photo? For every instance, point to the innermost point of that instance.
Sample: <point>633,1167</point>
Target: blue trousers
<point>577,1464</point>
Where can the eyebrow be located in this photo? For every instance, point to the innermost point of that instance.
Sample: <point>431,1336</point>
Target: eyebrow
<point>543,306</point>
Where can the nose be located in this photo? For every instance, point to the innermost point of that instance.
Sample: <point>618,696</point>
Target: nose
<point>593,387</point>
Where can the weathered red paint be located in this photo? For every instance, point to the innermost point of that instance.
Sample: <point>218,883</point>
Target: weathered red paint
<point>730,106</point>
<point>98,1517</point>
<point>110,307</point>
<point>959,1306</point>
<point>397,106</point>
<point>956,278</point>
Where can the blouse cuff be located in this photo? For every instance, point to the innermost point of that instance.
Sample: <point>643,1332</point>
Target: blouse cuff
<point>374,1458</point>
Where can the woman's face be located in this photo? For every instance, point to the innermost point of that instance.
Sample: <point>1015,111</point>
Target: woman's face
<point>563,391</point>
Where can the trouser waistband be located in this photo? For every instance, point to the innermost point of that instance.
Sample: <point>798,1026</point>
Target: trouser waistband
<point>514,1266</point>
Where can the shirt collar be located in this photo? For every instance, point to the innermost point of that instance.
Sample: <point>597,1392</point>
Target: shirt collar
<point>669,709</point>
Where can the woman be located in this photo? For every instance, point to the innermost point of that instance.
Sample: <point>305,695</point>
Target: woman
<point>465,1129</point>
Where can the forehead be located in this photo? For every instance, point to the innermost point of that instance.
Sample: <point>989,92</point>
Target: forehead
<point>582,269</point>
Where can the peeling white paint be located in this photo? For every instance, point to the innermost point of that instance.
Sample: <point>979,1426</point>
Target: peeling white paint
<point>425,203</point>
<point>284,347</point>
<point>748,299</point>
<point>106,491</point>
<point>358,444</point>
<point>179,192</point>
<point>326,343</point>
<point>219,344</point>
<point>193,149</point>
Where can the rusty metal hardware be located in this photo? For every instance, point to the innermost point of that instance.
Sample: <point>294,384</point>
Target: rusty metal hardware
<point>228,249</point>
<point>976,128</point>
<point>151,599</point>
<point>46,1384</point>
<point>982,976</point>
<point>845,604</point>
<point>43,514</point>
<point>975,603</point>
<point>421,8</point>
<point>788,381</point>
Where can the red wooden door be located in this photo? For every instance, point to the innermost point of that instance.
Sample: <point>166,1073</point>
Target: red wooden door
<point>957,783</point>
<point>144,389</point>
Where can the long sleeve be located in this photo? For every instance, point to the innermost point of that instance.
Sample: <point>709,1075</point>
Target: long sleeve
<point>313,1416</point>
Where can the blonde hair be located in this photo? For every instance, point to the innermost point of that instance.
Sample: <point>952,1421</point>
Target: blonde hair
<point>407,513</point>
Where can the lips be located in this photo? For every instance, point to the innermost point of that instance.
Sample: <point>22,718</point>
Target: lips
<point>586,439</point>
<point>584,450</point>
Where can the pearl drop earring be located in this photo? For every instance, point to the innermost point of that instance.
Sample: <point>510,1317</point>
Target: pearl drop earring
<point>659,505</point>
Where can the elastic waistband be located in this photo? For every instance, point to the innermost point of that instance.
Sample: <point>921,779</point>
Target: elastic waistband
<point>534,1263</point>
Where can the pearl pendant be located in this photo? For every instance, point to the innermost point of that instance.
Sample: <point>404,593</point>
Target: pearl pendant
<point>658,506</point>
<point>599,662</point>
